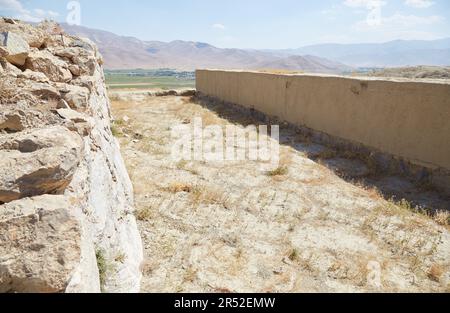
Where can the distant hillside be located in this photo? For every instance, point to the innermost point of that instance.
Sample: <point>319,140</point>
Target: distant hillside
<point>127,52</point>
<point>307,63</point>
<point>389,54</point>
<point>432,72</point>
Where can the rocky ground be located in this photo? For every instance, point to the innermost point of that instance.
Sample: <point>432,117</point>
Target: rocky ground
<point>321,222</point>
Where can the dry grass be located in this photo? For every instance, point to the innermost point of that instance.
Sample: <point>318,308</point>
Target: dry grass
<point>435,273</point>
<point>284,164</point>
<point>247,209</point>
<point>442,218</point>
<point>279,171</point>
<point>116,131</point>
<point>151,147</point>
<point>190,275</point>
<point>208,195</point>
<point>199,194</point>
<point>120,257</point>
<point>183,166</point>
<point>404,206</point>
<point>144,214</point>
<point>327,154</point>
<point>209,118</point>
<point>294,255</point>
<point>179,187</point>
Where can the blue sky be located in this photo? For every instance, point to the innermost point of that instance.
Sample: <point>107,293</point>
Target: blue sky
<point>259,24</point>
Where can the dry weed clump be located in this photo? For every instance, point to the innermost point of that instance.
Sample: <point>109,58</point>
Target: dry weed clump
<point>208,195</point>
<point>144,214</point>
<point>435,273</point>
<point>279,171</point>
<point>442,218</point>
<point>179,187</point>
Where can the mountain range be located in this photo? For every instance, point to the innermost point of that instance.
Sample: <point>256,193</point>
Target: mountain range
<point>390,54</point>
<point>121,52</point>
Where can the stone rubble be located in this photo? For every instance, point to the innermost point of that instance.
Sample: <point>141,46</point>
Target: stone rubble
<point>65,194</point>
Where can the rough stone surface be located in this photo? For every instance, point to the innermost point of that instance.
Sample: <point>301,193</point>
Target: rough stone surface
<point>34,36</point>
<point>35,76</point>
<point>65,194</point>
<point>3,52</point>
<point>37,162</point>
<point>45,62</point>
<point>77,97</point>
<point>12,121</point>
<point>16,48</point>
<point>73,116</point>
<point>39,244</point>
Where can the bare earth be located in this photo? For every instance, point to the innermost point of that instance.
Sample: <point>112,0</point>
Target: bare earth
<point>232,227</point>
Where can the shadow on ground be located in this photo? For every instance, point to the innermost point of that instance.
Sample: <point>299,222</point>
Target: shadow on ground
<point>391,187</point>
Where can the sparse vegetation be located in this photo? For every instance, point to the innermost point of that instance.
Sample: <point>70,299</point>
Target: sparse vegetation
<point>103,266</point>
<point>181,165</point>
<point>120,257</point>
<point>403,206</point>
<point>144,214</point>
<point>179,187</point>
<point>294,255</point>
<point>327,154</point>
<point>442,218</point>
<point>115,130</point>
<point>435,273</point>
<point>190,274</point>
<point>318,223</point>
<point>279,171</point>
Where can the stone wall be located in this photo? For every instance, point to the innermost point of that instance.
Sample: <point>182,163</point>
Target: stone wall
<point>406,119</point>
<point>66,201</point>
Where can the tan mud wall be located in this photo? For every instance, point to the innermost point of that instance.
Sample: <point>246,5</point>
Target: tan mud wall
<point>403,118</point>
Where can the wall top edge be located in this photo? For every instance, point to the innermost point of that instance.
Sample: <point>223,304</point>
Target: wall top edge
<point>317,75</point>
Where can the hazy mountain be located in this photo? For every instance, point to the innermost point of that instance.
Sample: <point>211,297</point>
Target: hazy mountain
<point>390,54</point>
<point>122,52</point>
<point>127,52</point>
<point>307,63</point>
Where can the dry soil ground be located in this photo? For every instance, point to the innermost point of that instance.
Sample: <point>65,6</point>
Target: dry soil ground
<point>233,227</point>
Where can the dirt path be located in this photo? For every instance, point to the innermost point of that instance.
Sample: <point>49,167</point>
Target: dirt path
<point>233,227</point>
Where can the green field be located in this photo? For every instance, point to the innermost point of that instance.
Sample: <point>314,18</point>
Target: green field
<point>149,79</point>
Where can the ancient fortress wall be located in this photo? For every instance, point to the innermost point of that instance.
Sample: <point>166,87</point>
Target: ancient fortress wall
<point>405,119</point>
<point>66,201</point>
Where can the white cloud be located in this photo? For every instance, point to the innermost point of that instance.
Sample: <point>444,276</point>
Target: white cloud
<point>219,26</point>
<point>52,13</point>
<point>11,5</point>
<point>364,3</point>
<point>407,27</point>
<point>421,4</point>
<point>398,21</point>
<point>17,10</point>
